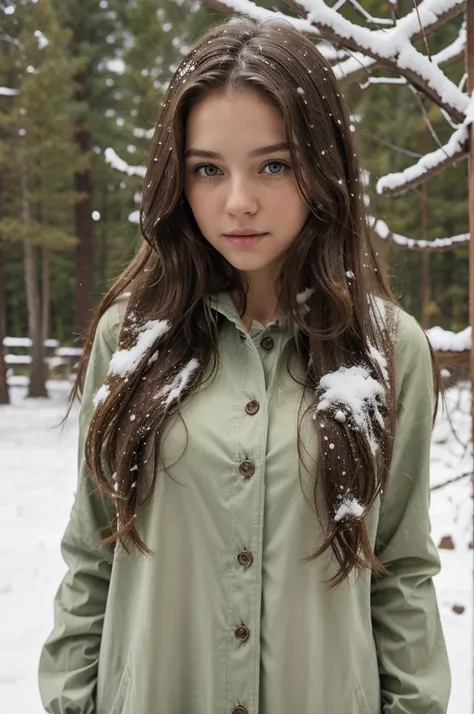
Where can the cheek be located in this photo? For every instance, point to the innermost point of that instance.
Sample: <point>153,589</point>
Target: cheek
<point>290,208</point>
<point>201,202</point>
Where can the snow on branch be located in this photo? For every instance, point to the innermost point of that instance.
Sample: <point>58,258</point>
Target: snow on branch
<point>381,229</point>
<point>120,165</point>
<point>382,21</point>
<point>391,48</point>
<point>453,52</point>
<point>247,7</point>
<point>434,15</point>
<point>429,165</point>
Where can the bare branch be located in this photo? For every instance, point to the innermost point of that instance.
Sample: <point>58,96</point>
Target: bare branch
<point>394,147</point>
<point>452,480</point>
<point>428,121</point>
<point>422,29</point>
<point>380,21</point>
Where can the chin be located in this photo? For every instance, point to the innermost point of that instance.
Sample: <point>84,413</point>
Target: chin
<point>249,264</point>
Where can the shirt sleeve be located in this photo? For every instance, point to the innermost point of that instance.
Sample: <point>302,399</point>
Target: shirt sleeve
<point>69,659</point>
<point>413,664</point>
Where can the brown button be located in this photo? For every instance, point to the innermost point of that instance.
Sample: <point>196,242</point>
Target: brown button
<point>242,633</point>
<point>247,468</point>
<point>267,342</point>
<point>240,710</point>
<point>245,559</point>
<point>252,407</point>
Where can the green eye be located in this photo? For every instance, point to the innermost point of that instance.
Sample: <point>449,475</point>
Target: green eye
<point>209,170</point>
<point>275,167</point>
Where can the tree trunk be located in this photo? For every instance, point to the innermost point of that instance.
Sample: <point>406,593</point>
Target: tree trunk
<point>85,246</point>
<point>37,386</point>
<point>470,88</point>
<point>103,248</point>
<point>84,226</point>
<point>46,290</point>
<point>4,394</point>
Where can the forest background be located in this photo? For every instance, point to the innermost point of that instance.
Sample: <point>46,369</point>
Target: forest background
<point>80,77</point>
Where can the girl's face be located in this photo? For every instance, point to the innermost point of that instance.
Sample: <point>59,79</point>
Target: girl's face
<point>239,178</point>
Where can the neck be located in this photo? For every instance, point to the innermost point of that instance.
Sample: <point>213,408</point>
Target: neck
<point>262,302</point>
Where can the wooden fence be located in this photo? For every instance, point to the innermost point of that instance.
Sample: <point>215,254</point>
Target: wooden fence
<point>61,361</point>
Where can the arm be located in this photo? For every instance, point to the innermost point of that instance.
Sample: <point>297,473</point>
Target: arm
<point>413,664</point>
<point>69,659</point>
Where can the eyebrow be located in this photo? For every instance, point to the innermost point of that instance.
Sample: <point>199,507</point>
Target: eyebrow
<point>262,151</point>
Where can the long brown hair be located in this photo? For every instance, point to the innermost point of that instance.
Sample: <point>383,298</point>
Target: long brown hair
<point>176,268</point>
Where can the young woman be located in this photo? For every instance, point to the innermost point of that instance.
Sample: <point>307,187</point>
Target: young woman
<point>250,532</point>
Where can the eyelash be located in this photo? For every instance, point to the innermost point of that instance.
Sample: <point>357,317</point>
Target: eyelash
<point>286,167</point>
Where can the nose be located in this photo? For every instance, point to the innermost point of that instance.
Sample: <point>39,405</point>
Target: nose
<point>241,197</point>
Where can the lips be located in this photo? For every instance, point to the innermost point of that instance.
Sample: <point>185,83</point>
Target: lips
<point>244,233</point>
<point>245,240</point>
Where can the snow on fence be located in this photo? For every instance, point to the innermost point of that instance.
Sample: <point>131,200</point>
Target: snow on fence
<point>61,360</point>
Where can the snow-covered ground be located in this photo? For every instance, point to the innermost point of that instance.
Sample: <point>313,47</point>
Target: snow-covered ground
<point>38,476</point>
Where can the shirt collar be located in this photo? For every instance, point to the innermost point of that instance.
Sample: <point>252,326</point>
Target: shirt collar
<point>223,303</point>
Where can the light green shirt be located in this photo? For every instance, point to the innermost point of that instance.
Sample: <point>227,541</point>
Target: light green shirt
<point>225,617</point>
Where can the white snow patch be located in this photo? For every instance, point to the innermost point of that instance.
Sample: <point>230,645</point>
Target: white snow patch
<point>7,92</point>
<point>358,391</point>
<point>101,395</point>
<point>349,507</point>
<point>124,362</point>
<point>302,298</point>
<point>175,388</point>
<point>447,341</point>
<point>304,295</point>
<point>112,158</point>
<point>384,232</point>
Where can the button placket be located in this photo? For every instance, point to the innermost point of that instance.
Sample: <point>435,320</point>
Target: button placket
<point>245,558</point>
<point>242,633</point>
<point>245,585</point>
<point>247,468</point>
<point>252,407</point>
<point>267,342</point>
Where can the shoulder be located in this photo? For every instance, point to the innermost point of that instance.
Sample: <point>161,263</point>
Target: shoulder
<point>105,343</point>
<point>411,350</point>
<point>410,338</point>
<point>108,327</point>
<point>413,359</point>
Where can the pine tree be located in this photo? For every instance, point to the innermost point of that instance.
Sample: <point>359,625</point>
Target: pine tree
<point>38,158</point>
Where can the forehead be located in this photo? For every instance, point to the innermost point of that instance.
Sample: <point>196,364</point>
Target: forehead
<point>234,117</point>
